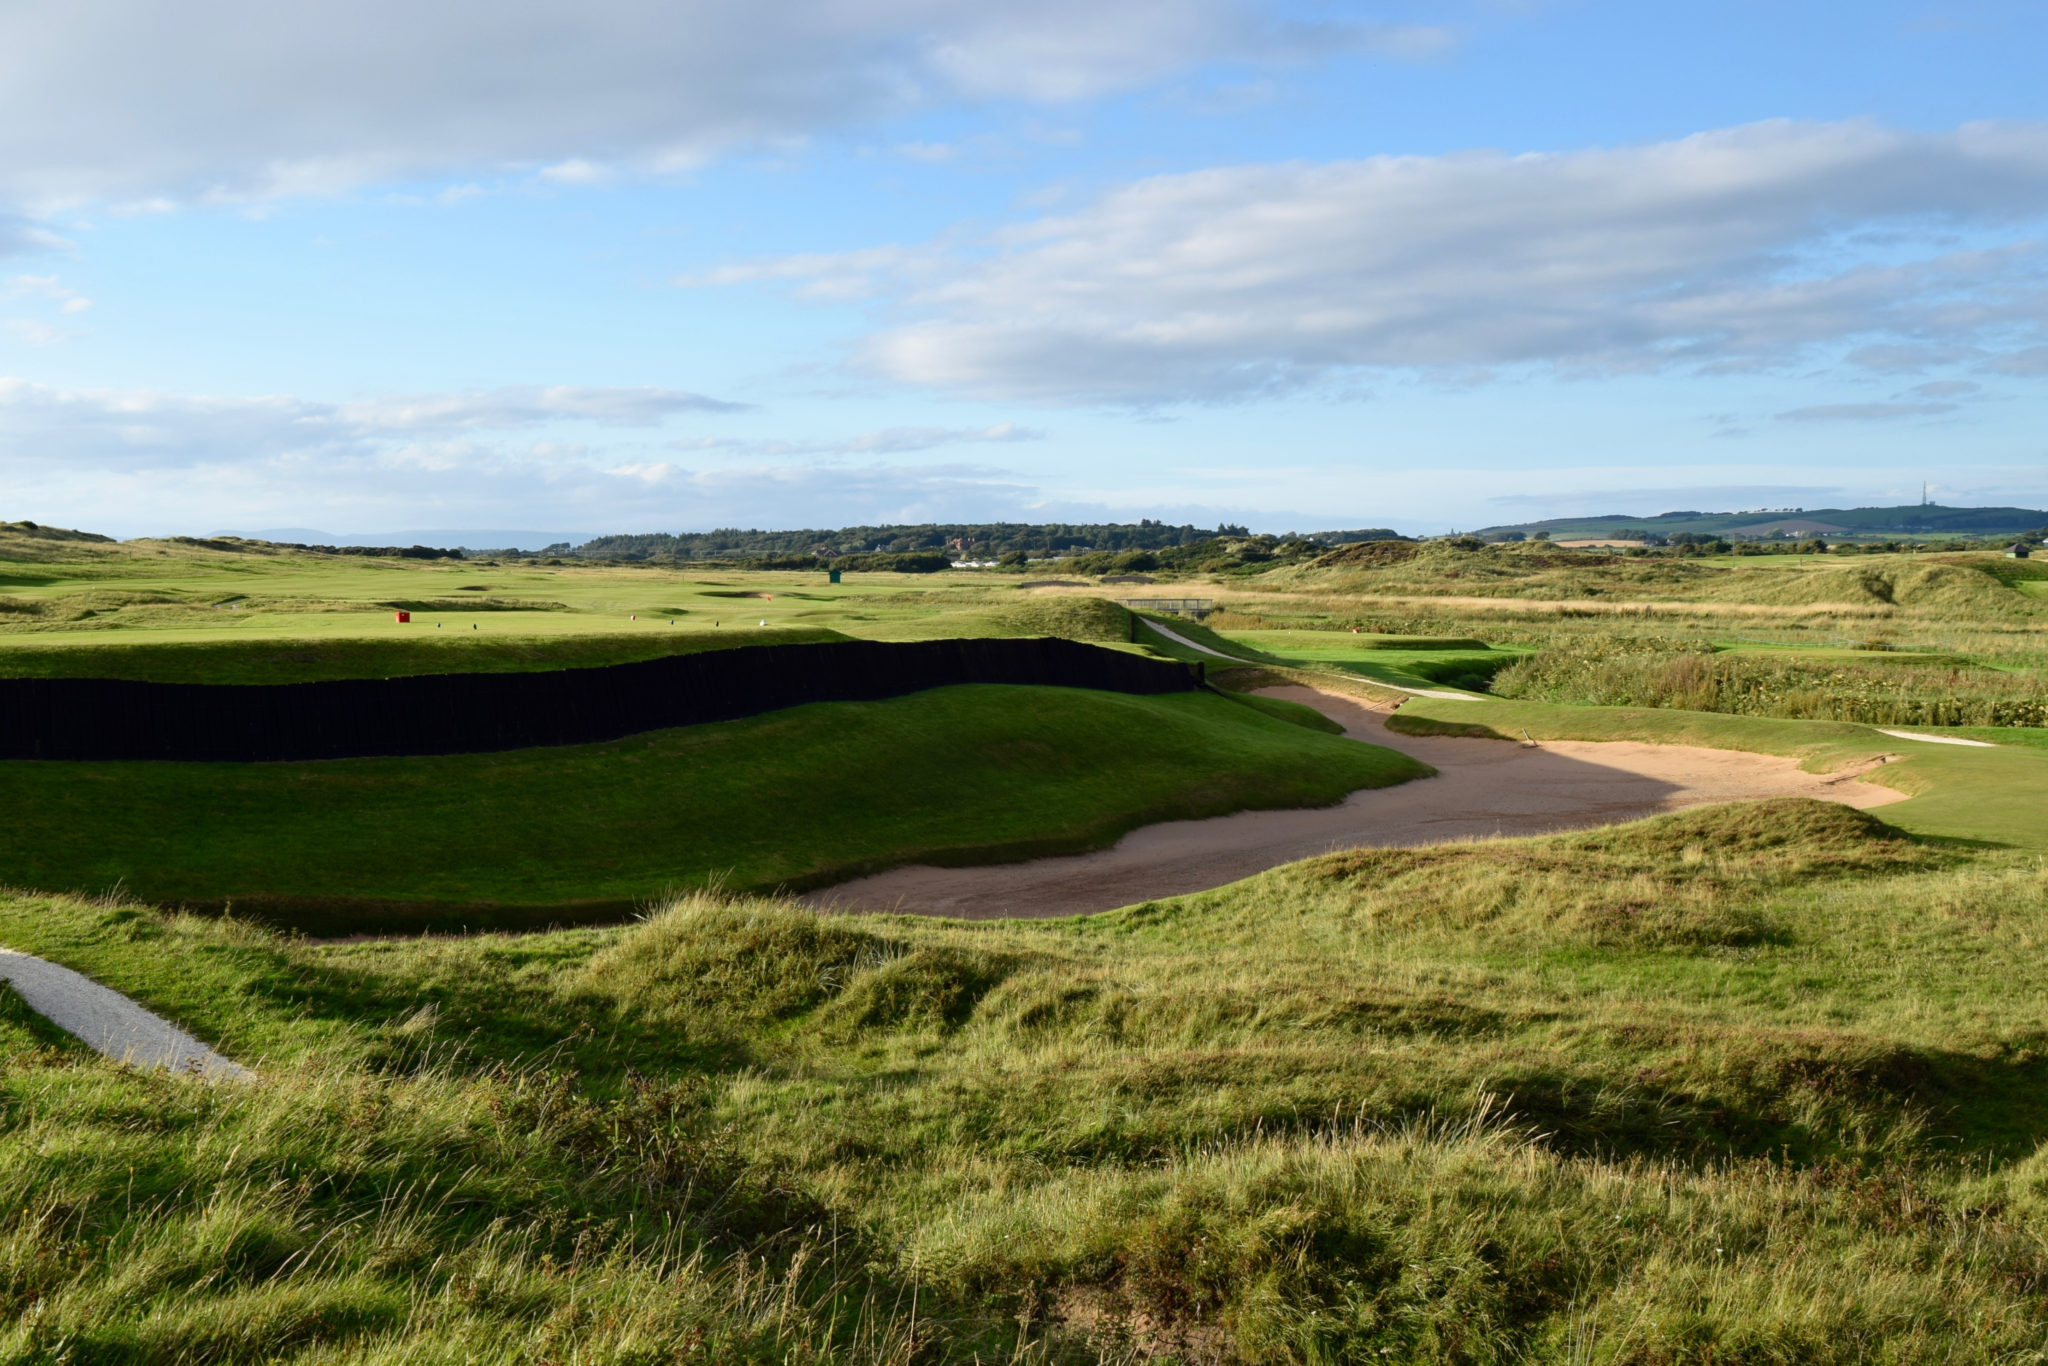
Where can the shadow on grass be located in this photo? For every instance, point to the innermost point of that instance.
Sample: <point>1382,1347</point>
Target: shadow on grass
<point>1808,1099</point>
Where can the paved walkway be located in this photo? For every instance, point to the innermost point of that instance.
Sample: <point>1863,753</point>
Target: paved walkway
<point>1938,739</point>
<point>109,1022</point>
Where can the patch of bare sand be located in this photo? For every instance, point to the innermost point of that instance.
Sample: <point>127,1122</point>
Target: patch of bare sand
<point>1482,789</point>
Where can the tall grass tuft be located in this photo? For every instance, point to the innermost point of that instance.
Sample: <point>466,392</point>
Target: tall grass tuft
<point>1635,673</point>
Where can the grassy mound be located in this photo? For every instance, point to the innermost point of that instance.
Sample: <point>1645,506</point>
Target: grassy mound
<point>703,958</point>
<point>1691,879</point>
<point>1877,688</point>
<point>1294,713</point>
<point>1919,586</point>
<point>796,798</point>
<point>1452,1104</point>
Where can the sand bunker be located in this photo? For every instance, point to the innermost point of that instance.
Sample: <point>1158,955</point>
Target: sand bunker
<point>1483,788</point>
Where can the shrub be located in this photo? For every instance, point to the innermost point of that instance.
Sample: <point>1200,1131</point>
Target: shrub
<point>723,964</point>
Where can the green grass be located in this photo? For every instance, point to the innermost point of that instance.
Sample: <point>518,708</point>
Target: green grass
<point>1292,712</point>
<point>1752,1084</point>
<point>1879,688</point>
<point>795,798</point>
<point>300,661</point>
<point>1408,662</point>
<point>125,610</point>
<point>1757,1084</point>
<point>1404,661</point>
<point>2032,737</point>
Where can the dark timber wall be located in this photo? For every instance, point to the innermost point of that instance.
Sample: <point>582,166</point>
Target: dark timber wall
<point>102,718</point>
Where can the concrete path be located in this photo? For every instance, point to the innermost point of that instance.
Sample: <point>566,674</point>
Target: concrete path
<point>1483,788</point>
<point>1181,640</point>
<point>109,1022</point>
<point>1938,739</point>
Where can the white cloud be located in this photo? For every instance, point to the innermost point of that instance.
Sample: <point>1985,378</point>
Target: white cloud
<point>34,331</point>
<point>138,102</point>
<point>1727,250</point>
<point>574,171</point>
<point>811,495</point>
<point>1865,412</point>
<point>127,427</point>
<point>19,236</point>
<point>50,288</point>
<point>888,441</point>
<point>109,459</point>
<point>522,406</point>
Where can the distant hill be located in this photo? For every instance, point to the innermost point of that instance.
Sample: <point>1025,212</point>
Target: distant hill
<point>1912,519</point>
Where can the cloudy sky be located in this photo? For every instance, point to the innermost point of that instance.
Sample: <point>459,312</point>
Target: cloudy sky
<point>614,265</point>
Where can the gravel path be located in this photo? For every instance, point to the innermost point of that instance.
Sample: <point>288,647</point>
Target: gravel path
<point>109,1022</point>
<point>1939,739</point>
<point>1483,789</point>
<point>1181,640</point>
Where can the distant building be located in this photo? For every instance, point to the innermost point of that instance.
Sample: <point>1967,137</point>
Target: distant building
<point>2017,551</point>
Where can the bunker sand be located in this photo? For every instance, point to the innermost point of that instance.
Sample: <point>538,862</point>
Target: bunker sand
<point>1483,789</point>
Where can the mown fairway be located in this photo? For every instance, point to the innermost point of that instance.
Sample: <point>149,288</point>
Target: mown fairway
<point>196,614</point>
<point>1749,1084</point>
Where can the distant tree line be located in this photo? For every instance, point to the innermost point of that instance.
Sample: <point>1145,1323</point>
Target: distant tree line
<point>403,552</point>
<point>934,545</point>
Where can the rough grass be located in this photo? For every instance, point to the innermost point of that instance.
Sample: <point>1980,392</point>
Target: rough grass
<point>794,799</point>
<point>1756,1084</point>
<point>1888,691</point>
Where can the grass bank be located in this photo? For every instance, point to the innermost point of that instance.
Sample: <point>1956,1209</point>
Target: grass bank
<point>1875,688</point>
<point>794,799</point>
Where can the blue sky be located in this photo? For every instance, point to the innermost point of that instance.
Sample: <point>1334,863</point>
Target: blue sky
<point>624,266</point>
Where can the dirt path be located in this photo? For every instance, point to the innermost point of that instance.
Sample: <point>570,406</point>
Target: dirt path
<point>109,1022</point>
<point>1483,788</point>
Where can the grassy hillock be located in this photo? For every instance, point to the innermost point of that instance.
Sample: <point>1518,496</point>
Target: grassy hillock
<point>1641,1094</point>
<point>794,798</point>
<point>1876,688</point>
<point>1961,586</point>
